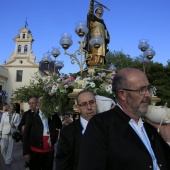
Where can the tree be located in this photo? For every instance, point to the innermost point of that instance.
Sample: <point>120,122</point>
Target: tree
<point>119,59</point>
<point>158,75</point>
<point>34,89</point>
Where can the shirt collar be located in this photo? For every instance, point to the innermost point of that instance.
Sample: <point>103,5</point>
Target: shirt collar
<point>140,122</point>
<point>83,123</point>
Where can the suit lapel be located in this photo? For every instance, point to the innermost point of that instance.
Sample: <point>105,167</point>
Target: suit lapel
<point>78,130</point>
<point>150,136</point>
<point>133,138</point>
<point>37,117</point>
<point>129,132</point>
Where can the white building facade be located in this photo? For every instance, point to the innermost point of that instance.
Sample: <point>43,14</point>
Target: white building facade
<point>20,68</point>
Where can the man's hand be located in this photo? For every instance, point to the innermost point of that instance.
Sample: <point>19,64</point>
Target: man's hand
<point>27,158</point>
<point>12,125</point>
<point>164,130</point>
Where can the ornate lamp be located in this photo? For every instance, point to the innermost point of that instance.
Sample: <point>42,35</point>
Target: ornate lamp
<point>55,52</point>
<point>46,59</point>
<point>51,66</point>
<point>143,45</point>
<point>81,30</point>
<point>96,41</point>
<point>148,53</point>
<point>112,67</point>
<point>59,64</point>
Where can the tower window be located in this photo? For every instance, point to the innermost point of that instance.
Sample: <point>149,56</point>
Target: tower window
<point>19,74</point>
<point>19,49</point>
<point>25,49</point>
<point>23,36</point>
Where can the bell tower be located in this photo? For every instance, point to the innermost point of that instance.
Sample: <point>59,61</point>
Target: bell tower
<point>23,46</point>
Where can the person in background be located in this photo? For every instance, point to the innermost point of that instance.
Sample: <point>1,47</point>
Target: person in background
<point>32,105</point>
<point>9,123</point>
<point>118,138</point>
<point>3,109</point>
<point>21,114</point>
<point>70,136</point>
<point>39,139</point>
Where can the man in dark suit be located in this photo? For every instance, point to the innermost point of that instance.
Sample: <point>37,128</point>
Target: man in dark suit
<point>119,139</point>
<point>39,139</point>
<point>70,136</point>
<point>32,105</point>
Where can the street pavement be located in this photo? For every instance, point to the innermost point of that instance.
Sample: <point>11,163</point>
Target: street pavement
<point>18,161</point>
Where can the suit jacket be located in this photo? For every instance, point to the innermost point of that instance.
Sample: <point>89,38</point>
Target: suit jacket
<point>68,144</point>
<point>110,143</point>
<point>33,132</point>
<point>5,126</point>
<point>23,119</point>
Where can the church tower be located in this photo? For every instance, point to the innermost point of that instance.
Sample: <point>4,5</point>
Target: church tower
<point>23,46</point>
<point>21,65</point>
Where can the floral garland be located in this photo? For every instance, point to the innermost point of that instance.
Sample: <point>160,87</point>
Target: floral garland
<point>56,89</point>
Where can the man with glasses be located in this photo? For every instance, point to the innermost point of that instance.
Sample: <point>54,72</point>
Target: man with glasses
<point>70,136</point>
<point>118,138</point>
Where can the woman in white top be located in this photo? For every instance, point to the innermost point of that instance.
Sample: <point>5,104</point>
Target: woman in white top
<point>9,123</point>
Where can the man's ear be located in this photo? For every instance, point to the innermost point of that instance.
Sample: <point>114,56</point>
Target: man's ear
<point>122,95</point>
<point>78,108</point>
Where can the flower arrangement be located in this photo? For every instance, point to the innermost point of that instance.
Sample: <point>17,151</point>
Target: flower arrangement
<point>56,89</point>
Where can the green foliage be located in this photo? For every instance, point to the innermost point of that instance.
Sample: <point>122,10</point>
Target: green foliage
<point>57,102</point>
<point>158,75</point>
<point>119,59</point>
<point>33,89</point>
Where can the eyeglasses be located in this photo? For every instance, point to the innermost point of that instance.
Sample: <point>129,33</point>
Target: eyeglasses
<point>142,90</point>
<point>85,104</point>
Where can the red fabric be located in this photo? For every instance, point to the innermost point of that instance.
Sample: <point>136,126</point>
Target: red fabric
<point>46,146</point>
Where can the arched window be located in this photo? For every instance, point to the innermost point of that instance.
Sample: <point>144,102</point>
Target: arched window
<point>23,36</point>
<point>25,49</point>
<point>19,49</point>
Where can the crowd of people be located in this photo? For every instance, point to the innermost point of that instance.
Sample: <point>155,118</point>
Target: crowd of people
<point>120,138</point>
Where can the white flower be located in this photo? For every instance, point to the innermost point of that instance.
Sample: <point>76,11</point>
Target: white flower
<point>65,86</point>
<point>108,88</point>
<point>62,90</point>
<point>55,87</point>
<point>59,79</point>
<point>92,84</point>
<point>77,79</point>
<point>87,79</point>
<point>110,91</point>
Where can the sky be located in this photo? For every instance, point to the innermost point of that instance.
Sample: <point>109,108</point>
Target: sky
<point>128,21</point>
